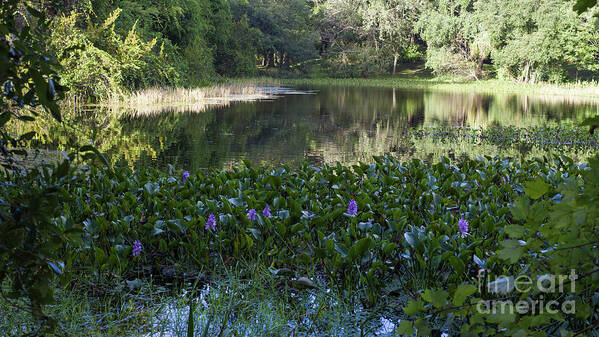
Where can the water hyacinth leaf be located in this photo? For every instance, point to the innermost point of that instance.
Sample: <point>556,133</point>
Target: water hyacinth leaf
<point>480,262</point>
<point>100,256</point>
<point>237,202</point>
<point>412,239</point>
<point>303,283</point>
<point>56,267</point>
<point>536,188</point>
<point>359,248</point>
<point>134,284</point>
<point>278,202</point>
<point>365,226</point>
<point>341,250</point>
<point>176,224</point>
<point>297,227</point>
<point>283,214</point>
<point>152,188</point>
<point>256,233</point>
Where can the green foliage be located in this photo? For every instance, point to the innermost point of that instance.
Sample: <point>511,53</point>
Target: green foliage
<point>552,235</point>
<point>34,241</point>
<point>283,32</point>
<point>98,62</point>
<point>527,40</point>
<point>368,38</point>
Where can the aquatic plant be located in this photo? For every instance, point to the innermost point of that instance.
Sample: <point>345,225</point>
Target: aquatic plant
<point>266,211</point>
<point>352,208</point>
<point>137,248</point>
<point>402,243</point>
<point>463,226</point>
<point>211,222</point>
<point>252,214</point>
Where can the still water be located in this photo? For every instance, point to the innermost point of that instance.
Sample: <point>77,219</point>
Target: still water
<point>322,124</point>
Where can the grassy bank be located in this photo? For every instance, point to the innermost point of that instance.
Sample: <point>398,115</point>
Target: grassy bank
<point>584,91</point>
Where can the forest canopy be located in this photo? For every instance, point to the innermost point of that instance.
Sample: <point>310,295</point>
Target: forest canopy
<point>107,47</point>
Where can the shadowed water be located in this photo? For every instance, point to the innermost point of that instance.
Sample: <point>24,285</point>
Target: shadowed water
<point>323,124</point>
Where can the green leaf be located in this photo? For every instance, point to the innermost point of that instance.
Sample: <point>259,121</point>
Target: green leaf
<point>582,5</point>
<point>515,231</point>
<point>359,249</point>
<point>56,267</point>
<point>512,250</point>
<point>423,327</point>
<point>536,189</point>
<point>414,308</point>
<point>464,290</point>
<point>406,328</point>
<point>412,239</point>
<point>255,232</point>
<point>502,316</point>
<point>303,283</point>
<point>237,202</point>
<point>438,297</point>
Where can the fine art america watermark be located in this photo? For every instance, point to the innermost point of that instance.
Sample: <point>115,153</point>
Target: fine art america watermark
<point>544,284</point>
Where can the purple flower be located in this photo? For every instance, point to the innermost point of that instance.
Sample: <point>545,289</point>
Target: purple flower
<point>185,176</point>
<point>352,208</point>
<point>266,211</point>
<point>211,222</point>
<point>252,214</point>
<point>137,248</point>
<point>463,225</point>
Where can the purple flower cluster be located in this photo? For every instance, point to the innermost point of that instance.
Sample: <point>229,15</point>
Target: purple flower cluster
<point>463,226</point>
<point>211,222</point>
<point>352,208</point>
<point>252,214</point>
<point>185,176</point>
<point>266,211</point>
<point>137,248</point>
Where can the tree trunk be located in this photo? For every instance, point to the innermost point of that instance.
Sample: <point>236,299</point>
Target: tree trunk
<point>526,72</point>
<point>479,68</point>
<point>394,63</point>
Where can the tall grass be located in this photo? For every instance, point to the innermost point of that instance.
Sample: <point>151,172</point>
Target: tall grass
<point>156,100</point>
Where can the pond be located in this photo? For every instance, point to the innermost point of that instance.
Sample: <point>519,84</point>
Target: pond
<point>316,124</point>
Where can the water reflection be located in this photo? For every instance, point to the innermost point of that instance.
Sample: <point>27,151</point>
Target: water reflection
<point>344,124</point>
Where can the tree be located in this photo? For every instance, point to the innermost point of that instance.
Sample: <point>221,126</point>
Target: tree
<point>369,36</point>
<point>285,33</point>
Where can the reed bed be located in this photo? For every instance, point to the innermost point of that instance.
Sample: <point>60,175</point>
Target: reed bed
<point>157,100</point>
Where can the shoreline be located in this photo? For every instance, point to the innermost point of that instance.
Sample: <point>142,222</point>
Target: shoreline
<point>588,92</point>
